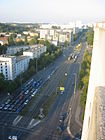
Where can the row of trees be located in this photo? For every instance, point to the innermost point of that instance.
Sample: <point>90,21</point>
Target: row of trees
<point>90,36</point>
<point>12,41</point>
<point>8,86</point>
<point>84,77</point>
<point>45,59</point>
<point>3,49</point>
<point>11,28</point>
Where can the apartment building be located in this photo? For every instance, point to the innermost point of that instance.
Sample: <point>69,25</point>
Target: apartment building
<point>22,63</point>
<point>12,66</point>
<point>35,51</point>
<point>57,35</point>
<point>8,67</point>
<point>11,50</point>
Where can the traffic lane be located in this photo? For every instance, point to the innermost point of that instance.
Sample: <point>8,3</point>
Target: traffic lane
<point>74,69</point>
<point>48,92</point>
<point>29,89</point>
<point>54,120</point>
<point>6,117</point>
<point>60,76</point>
<point>54,115</point>
<point>53,88</point>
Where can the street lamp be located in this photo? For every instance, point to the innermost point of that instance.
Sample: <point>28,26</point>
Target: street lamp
<point>75,79</point>
<point>36,65</point>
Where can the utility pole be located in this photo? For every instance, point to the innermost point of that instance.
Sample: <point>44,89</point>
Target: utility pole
<point>36,65</point>
<point>75,79</point>
<point>21,81</point>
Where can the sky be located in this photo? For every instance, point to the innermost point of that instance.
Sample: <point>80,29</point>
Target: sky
<point>52,11</point>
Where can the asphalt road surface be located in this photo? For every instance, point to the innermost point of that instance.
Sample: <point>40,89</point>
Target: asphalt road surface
<point>47,129</point>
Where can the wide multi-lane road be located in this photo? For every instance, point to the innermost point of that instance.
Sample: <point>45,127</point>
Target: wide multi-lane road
<point>53,128</point>
<point>48,128</point>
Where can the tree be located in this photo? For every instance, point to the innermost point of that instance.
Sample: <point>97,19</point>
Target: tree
<point>11,40</point>
<point>66,43</point>
<point>3,49</point>
<point>25,42</point>
<point>33,41</point>
<point>3,83</point>
<point>90,36</point>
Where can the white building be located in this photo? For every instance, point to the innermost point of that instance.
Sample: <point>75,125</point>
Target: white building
<point>22,63</point>
<point>8,67</point>
<point>14,49</point>
<point>56,35</point>
<point>35,51</point>
<point>12,66</point>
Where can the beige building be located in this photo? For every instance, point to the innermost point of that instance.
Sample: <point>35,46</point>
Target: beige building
<point>3,41</point>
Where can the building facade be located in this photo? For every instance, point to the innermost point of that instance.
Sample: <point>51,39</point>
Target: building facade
<point>35,51</point>
<point>14,49</point>
<point>12,66</point>
<point>96,81</point>
<point>8,67</point>
<point>22,63</point>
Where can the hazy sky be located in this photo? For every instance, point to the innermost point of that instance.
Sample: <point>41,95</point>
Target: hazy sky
<point>59,11</point>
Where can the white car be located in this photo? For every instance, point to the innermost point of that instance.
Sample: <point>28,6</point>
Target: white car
<point>62,92</point>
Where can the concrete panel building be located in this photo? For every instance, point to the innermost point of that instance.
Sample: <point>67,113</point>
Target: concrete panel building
<point>93,126</point>
<point>22,63</point>
<point>8,67</point>
<point>35,51</point>
<point>12,66</point>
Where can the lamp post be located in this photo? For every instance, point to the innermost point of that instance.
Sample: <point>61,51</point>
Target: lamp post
<point>75,79</point>
<point>36,65</point>
<point>21,80</point>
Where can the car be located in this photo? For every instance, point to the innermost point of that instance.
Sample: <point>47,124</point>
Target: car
<point>21,97</point>
<point>7,101</point>
<point>11,107</point>
<point>6,107</point>
<point>17,101</point>
<point>32,95</point>
<point>27,92</point>
<point>1,106</point>
<point>12,137</point>
<point>59,129</point>
<point>48,77</point>
<point>62,92</point>
<point>26,101</point>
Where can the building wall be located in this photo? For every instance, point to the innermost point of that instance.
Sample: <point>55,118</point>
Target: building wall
<point>11,68</point>
<point>35,51</point>
<point>8,67</point>
<point>14,49</point>
<point>22,65</point>
<point>97,77</point>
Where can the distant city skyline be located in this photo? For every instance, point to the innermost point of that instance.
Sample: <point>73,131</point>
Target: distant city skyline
<point>51,11</point>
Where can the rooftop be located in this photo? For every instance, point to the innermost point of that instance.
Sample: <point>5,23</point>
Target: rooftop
<point>19,58</point>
